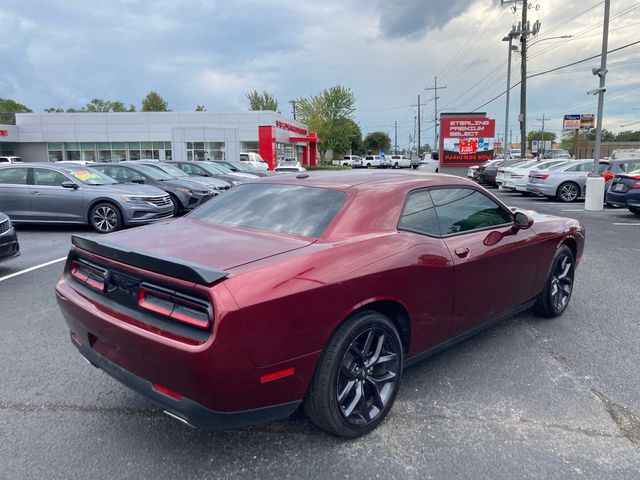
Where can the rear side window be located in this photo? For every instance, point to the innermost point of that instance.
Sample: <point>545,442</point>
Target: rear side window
<point>291,209</point>
<point>419,215</point>
<point>464,209</point>
<point>13,176</point>
<point>48,178</point>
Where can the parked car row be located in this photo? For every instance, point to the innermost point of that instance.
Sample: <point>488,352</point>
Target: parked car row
<point>561,179</point>
<point>110,196</point>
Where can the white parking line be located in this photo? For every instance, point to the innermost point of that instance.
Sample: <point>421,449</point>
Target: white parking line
<point>31,269</point>
<point>629,224</point>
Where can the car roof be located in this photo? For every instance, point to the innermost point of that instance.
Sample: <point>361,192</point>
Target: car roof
<point>339,180</point>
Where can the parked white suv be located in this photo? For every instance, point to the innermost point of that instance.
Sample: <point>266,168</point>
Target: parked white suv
<point>254,160</point>
<point>10,159</point>
<point>430,162</point>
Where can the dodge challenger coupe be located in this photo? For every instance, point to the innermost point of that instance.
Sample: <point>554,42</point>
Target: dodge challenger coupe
<point>311,288</point>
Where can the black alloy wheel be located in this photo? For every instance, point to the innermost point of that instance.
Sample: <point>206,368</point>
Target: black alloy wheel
<point>555,296</point>
<point>105,218</point>
<point>358,376</point>
<point>568,192</point>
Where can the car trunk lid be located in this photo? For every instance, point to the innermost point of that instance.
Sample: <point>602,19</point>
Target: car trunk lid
<point>208,245</point>
<point>623,183</point>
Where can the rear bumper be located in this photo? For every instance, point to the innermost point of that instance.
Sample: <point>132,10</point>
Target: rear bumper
<point>616,199</point>
<point>541,189</point>
<point>187,410</point>
<point>9,246</point>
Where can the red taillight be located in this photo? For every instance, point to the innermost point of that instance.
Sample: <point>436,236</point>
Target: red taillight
<point>607,175</point>
<point>276,375</point>
<point>89,275</point>
<point>541,176</point>
<point>166,391</point>
<point>635,185</point>
<point>174,305</point>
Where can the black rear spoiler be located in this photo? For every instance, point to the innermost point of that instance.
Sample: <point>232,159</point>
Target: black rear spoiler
<point>172,267</point>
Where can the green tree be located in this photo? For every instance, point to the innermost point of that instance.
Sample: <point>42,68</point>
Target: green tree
<point>606,135</point>
<point>262,101</point>
<point>72,110</point>
<point>326,114</point>
<point>8,109</point>
<point>153,102</point>
<point>376,141</point>
<point>200,108</point>
<point>537,135</point>
<point>628,136</point>
<point>54,110</point>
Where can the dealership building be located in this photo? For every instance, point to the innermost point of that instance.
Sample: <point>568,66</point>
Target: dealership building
<point>113,137</point>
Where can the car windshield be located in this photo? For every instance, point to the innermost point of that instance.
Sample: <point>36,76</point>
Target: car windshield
<point>154,172</point>
<point>224,167</point>
<point>211,168</point>
<point>171,170</point>
<point>89,176</point>
<point>238,166</point>
<point>290,209</point>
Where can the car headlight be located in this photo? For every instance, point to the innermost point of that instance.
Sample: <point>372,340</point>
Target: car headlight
<point>186,191</point>
<point>133,199</point>
<point>235,183</point>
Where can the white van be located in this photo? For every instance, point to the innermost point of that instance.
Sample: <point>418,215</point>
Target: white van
<point>253,160</point>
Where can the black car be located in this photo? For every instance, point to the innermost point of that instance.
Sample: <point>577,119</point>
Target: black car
<point>625,191</point>
<point>185,194</point>
<point>479,174</point>
<point>9,246</point>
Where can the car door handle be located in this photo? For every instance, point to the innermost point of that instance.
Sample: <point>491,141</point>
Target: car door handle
<point>36,193</point>
<point>462,252</point>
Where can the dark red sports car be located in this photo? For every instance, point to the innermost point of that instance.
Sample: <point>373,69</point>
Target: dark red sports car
<point>314,289</point>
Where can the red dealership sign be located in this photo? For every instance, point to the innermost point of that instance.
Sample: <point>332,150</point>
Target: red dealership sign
<point>466,140</point>
<point>291,128</point>
<point>4,133</point>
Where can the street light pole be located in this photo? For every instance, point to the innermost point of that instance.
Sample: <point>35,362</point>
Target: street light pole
<point>595,183</point>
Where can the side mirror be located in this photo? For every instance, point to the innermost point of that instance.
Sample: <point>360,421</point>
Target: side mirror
<point>139,180</point>
<point>69,184</point>
<point>522,221</point>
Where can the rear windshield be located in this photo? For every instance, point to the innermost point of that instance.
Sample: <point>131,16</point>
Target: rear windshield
<point>291,209</point>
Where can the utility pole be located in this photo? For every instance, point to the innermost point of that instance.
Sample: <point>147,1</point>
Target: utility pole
<point>293,107</point>
<point>595,183</point>
<point>435,89</point>
<point>418,126</point>
<point>395,137</point>
<point>541,148</point>
<point>523,30</point>
<point>523,82</point>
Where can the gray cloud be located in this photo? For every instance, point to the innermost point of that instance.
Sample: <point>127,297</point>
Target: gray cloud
<point>413,18</point>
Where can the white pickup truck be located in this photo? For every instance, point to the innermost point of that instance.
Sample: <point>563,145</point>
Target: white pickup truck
<point>399,161</point>
<point>347,161</point>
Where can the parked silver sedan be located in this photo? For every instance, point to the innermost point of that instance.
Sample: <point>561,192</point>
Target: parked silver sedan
<point>565,182</point>
<point>72,193</point>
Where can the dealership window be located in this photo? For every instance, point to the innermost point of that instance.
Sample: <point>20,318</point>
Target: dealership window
<point>88,152</point>
<point>55,152</point>
<point>73,151</point>
<point>249,147</point>
<point>205,151</point>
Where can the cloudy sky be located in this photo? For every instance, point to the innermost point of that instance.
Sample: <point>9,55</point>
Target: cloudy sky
<point>64,53</point>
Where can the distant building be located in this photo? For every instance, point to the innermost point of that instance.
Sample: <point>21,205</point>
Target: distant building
<point>113,137</point>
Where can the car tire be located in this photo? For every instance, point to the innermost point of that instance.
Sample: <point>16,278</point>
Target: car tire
<point>177,206</point>
<point>634,210</point>
<point>357,377</point>
<point>368,165</point>
<point>396,166</point>
<point>414,167</point>
<point>105,217</point>
<point>555,295</point>
<point>568,192</point>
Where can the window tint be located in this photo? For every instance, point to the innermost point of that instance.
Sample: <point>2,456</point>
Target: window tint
<point>304,211</point>
<point>464,209</point>
<point>581,167</point>
<point>630,166</point>
<point>46,177</point>
<point>121,174</point>
<point>419,215</point>
<point>13,176</point>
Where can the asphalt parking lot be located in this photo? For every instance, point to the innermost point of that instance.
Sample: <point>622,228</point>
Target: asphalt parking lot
<point>528,398</point>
